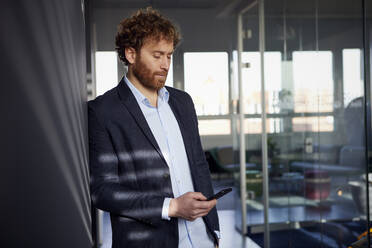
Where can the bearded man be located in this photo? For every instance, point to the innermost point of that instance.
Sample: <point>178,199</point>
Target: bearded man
<point>147,164</point>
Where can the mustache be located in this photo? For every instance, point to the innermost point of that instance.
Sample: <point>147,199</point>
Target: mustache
<point>161,73</point>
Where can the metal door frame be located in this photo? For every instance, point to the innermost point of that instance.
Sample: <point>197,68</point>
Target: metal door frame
<point>261,15</point>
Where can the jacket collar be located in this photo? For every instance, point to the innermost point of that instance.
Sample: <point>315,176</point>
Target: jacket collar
<point>127,98</point>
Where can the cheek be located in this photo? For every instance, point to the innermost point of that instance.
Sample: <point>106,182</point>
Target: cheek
<point>152,68</point>
<point>150,65</point>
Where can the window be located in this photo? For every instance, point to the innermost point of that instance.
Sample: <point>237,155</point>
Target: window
<point>313,81</point>
<point>313,90</point>
<point>251,79</point>
<point>313,124</point>
<point>352,74</point>
<point>169,81</point>
<point>214,127</point>
<point>106,71</point>
<point>207,81</point>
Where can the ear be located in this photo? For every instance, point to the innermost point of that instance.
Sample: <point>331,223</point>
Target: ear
<point>130,54</point>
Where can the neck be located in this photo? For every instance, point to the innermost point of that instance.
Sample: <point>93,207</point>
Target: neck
<point>150,94</point>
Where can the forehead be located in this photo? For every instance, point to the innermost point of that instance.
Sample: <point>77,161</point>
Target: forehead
<point>161,45</point>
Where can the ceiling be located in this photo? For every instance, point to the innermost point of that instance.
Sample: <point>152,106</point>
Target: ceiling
<point>332,8</point>
<point>194,4</point>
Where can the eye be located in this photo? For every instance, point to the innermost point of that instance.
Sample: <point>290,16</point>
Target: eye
<point>156,55</point>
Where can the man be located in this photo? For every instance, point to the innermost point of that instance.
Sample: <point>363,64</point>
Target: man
<point>147,165</point>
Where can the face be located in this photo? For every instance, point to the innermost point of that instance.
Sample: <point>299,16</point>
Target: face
<point>152,63</point>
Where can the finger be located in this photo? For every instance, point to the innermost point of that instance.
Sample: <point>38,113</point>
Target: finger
<point>199,196</point>
<point>205,204</point>
<point>213,203</point>
<point>202,205</point>
<point>201,214</point>
<point>189,219</point>
<point>192,217</point>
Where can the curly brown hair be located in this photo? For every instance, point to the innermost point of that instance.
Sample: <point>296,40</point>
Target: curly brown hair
<point>143,25</point>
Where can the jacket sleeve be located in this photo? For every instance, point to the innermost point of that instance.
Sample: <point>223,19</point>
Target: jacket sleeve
<point>106,191</point>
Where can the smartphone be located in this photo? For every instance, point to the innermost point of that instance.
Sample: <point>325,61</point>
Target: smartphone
<point>220,194</point>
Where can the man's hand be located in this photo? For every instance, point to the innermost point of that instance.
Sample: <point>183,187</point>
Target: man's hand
<point>190,206</point>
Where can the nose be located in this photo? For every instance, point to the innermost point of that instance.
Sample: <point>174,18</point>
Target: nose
<point>165,63</point>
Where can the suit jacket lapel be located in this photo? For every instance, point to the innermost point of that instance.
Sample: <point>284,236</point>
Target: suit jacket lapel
<point>130,102</point>
<point>176,108</point>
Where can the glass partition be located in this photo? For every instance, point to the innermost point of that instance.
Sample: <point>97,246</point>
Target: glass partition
<point>315,123</point>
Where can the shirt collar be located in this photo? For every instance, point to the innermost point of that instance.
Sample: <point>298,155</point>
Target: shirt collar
<point>137,94</point>
<point>163,93</point>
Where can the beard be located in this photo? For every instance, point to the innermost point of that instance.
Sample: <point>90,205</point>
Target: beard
<point>147,77</point>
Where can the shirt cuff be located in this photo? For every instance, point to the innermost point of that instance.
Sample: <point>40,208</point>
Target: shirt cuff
<point>218,234</point>
<point>164,212</point>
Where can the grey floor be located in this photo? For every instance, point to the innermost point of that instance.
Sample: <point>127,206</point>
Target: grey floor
<point>230,237</point>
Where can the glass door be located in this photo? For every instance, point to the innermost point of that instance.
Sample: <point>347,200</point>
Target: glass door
<point>251,123</point>
<point>303,139</point>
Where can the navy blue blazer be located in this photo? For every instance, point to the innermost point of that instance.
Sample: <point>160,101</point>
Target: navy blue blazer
<point>129,175</point>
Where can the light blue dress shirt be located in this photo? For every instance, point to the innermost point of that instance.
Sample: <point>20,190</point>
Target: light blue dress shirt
<point>164,127</point>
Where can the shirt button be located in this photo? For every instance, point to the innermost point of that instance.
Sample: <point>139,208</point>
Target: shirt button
<point>166,175</point>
